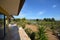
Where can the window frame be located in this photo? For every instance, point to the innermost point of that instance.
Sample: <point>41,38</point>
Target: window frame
<point>4,24</point>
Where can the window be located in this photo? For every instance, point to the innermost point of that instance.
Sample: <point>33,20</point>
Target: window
<point>2,24</point>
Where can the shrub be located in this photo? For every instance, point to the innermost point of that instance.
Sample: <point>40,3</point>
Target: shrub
<point>28,31</point>
<point>42,33</point>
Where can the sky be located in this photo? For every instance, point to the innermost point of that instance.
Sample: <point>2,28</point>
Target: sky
<point>39,9</point>
<point>1,16</point>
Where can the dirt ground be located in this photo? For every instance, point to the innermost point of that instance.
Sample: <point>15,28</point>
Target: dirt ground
<point>48,32</point>
<point>34,28</point>
<point>50,35</point>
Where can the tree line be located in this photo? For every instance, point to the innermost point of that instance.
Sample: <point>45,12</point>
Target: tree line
<point>49,19</point>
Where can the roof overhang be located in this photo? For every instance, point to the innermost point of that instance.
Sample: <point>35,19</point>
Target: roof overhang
<point>11,7</point>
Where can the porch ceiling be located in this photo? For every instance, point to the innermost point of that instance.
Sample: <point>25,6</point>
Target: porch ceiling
<point>11,7</point>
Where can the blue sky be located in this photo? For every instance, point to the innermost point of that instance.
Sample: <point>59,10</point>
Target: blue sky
<point>39,9</point>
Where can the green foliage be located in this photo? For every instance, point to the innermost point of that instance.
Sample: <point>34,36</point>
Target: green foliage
<point>42,33</point>
<point>49,19</point>
<point>37,36</point>
<point>32,36</point>
<point>42,24</point>
<point>37,19</point>
<point>21,22</point>
<point>28,31</point>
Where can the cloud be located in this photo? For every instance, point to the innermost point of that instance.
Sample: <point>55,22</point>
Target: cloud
<point>54,6</point>
<point>41,12</point>
<point>21,15</point>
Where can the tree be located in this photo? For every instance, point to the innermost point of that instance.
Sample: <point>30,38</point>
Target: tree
<point>49,19</point>
<point>53,19</point>
<point>23,22</point>
<point>37,19</point>
<point>45,19</point>
<point>17,19</point>
<point>23,18</point>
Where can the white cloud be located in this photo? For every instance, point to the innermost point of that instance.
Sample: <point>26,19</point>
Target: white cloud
<point>41,12</point>
<point>21,15</point>
<point>54,6</point>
